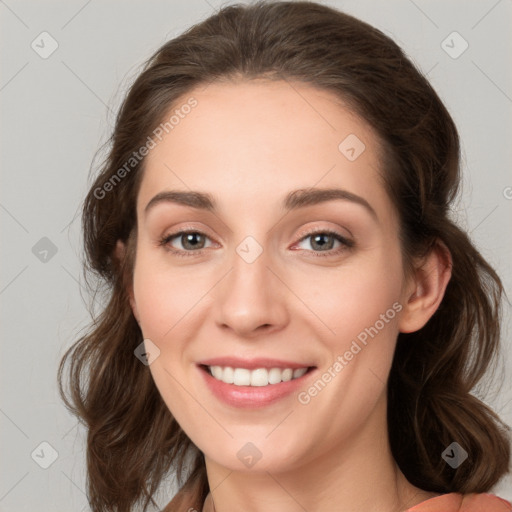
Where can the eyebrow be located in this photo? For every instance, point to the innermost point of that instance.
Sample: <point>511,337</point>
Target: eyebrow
<point>293,201</point>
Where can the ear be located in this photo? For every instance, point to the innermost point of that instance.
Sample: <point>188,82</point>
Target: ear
<point>425,291</point>
<point>119,254</point>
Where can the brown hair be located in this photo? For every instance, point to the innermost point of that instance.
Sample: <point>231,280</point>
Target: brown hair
<point>133,441</point>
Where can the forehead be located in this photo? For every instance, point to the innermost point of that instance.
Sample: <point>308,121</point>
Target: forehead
<point>247,141</point>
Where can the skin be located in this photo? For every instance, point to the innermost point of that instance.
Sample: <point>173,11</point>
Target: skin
<point>248,144</point>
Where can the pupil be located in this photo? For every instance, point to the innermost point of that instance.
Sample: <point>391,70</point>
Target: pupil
<point>190,239</point>
<point>321,244</point>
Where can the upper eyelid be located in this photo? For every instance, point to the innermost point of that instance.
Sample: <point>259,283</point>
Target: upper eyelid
<point>309,232</point>
<point>346,243</point>
<point>305,231</point>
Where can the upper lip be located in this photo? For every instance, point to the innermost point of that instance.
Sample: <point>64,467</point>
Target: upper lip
<point>252,364</point>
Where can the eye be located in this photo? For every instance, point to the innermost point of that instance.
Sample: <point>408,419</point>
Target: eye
<point>190,241</point>
<point>322,241</point>
<point>193,242</point>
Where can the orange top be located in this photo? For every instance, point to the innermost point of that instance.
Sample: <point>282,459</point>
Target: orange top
<point>451,502</point>
<point>455,502</point>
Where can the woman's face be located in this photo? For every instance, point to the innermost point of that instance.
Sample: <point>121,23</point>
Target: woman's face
<point>274,276</point>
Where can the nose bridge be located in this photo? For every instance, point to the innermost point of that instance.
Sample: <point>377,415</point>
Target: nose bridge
<point>251,295</point>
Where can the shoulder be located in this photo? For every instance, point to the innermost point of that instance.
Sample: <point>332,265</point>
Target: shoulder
<point>484,502</point>
<point>186,500</point>
<point>456,502</point>
<point>183,503</point>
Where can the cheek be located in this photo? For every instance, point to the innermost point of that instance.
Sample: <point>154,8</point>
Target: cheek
<point>168,304</point>
<point>356,297</point>
<point>165,298</point>
<point>359,310</point>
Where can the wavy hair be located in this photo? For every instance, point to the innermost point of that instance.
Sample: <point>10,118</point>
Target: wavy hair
<point>133,441</point>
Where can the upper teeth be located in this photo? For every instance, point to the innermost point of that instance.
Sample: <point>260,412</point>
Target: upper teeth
<point>258,377</point>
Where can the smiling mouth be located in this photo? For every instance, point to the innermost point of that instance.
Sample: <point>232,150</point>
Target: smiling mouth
<point>259,377</point>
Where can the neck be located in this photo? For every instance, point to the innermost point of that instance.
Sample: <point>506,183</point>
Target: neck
<point>358,474</point>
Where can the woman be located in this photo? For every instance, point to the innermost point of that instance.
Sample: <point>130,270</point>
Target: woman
<point>291,309</point>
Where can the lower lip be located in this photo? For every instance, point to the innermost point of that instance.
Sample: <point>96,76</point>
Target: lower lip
<point>252,396</point>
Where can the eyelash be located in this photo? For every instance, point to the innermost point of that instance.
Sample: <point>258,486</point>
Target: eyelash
<point>346,243</point>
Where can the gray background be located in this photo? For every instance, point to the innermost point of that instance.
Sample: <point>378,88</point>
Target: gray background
<point>56,112</point>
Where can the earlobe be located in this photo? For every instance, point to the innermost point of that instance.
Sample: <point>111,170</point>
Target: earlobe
<point>119,251</point>
<point>119,254</point>
<point>133,305</point>
<point>429,286</point>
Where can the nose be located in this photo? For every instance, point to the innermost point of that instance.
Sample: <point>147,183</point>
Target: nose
<point>251,299</point>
